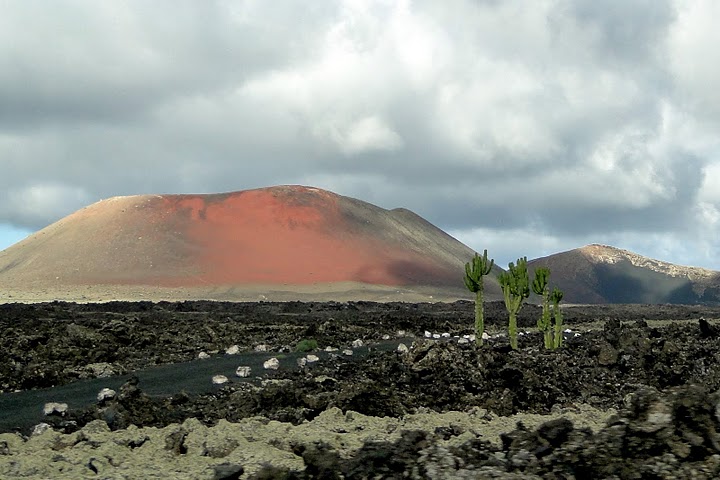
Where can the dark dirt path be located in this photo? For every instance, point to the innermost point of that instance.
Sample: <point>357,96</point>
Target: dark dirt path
<point>20,411</point>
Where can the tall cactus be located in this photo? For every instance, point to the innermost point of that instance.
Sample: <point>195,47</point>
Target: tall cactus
<point>540,286</point>
<point>516,288</point>
<point>475,270</point>
<point>556,297</point>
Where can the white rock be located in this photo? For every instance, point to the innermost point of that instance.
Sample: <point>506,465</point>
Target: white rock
<point>232,350</point>
<point>323,379</point>
<point>463,340</point>
<point>272,364</point>
<point>357,343</point>
<point>203,356</point>
<point>402,348</point>
<point>485,336</point>
<point>428,334</point>
<point>386,337</point>
<point>242,371</point>
<point>400,333</point>
<point>445,335</point>
<point>55,407</point>
<point>436,335</point>
<point>100,370</point>
<point>219,379</point>
<point>472,337</point>
<point>275,381</point>
<point>331,349</point>
<point>347,352</point>
<point>302,361</point>
<point>567,330</point>
<point>40,428</point>
<point>312,358</point>
<point>106,394</point>
<point>261,348</point>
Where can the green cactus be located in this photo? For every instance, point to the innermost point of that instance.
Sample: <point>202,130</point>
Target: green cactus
<point>540,286</point>
<point>306,345</point>
<point>515,287</point>
<point>556,296</point>
<point>474,273</point>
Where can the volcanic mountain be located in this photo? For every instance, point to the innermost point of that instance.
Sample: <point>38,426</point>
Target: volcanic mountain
<point>604,274</point>
<point>237,245</point>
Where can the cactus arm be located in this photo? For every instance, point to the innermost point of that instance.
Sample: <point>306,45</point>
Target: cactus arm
<point>472,286</point>
<point>540,287</point>
<point>557,296</point>
<point>487,266</point>
<point>545,323</point>
<point>540,282</point>
<point>510,305</point>
<point>558,328</point>
<point>479,317</point>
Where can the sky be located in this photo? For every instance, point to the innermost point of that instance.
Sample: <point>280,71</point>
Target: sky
<point>525,128</point>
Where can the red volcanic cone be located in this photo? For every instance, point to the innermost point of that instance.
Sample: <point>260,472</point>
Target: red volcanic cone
<point>287,235</point>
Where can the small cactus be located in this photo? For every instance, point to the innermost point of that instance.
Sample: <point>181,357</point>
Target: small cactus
<point>475,270</point>
<point>516,288</point>
<point>540,287</point>
<point>306,345</point>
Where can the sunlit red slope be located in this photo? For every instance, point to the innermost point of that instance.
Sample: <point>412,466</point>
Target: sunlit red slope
<point>278,235</point>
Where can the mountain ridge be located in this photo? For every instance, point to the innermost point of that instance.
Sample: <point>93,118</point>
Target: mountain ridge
<point>597,273</point>
<point>610,254</point>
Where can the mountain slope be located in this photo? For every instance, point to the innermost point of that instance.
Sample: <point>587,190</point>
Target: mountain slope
<point>604,274</point>
<point>282,236</point>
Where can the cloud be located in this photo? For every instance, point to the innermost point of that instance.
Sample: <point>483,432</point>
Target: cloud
<point>559,120</point>
<point>41,203</point>
<point>507,245</point>
<point>366,135</point>
<point>616,32</point>
<point>692,47</point>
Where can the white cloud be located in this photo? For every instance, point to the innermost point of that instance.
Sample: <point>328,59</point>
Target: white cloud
<point>507,245</point>
<point>710,190</point>
<point>366,135</point>
<point>693,50</point>
<point>42,202</point>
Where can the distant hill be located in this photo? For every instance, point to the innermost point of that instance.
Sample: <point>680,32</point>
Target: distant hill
<point>604,274</point>
<point>277,238</point>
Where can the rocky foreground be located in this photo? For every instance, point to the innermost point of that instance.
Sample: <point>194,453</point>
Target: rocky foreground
<point>632,395</point>
<point>672,435</point>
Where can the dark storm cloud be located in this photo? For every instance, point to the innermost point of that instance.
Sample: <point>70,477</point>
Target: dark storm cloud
<point>85,62</point>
